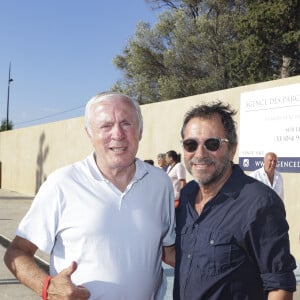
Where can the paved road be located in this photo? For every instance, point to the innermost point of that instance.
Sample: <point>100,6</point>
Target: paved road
<point>12,208</point>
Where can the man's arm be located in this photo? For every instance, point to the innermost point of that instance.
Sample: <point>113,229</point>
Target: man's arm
<point>182,183</point>
<point>169,255</point>
<point>19,258</point>
<point>280,295</point>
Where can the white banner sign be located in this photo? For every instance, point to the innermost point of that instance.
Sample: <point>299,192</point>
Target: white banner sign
<point>270,122</point>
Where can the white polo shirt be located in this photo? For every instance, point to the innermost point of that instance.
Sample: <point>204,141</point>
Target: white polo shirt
<point>116,238</point>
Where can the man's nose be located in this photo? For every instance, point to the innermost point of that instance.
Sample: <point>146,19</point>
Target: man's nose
<point>201,150</point>
<point>117,131</point>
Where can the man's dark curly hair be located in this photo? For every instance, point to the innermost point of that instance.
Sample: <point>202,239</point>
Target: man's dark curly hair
<point>205,111</point>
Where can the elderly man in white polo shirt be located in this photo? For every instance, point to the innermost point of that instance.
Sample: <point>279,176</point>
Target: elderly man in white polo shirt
<point>106,221</point>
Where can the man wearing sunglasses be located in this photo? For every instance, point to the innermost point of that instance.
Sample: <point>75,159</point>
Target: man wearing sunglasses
<point>232,238</point>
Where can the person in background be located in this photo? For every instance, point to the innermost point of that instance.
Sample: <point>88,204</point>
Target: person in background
<point>232,239</point>
<point>269,175</point>
<point>149,161</point>
<point>176,172</point>
<point>96,217</point>
<point>161,161</point>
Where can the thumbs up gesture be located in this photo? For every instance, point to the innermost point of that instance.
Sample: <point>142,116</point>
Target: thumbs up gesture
<point>61,286</point>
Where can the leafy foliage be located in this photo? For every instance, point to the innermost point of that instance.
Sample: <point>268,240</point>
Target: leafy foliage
<point>201,46</point>
<point>4,126</point>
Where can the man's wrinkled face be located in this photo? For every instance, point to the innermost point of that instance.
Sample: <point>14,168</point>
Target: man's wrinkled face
<point>114,133</point>
<point>206,166</point>
<point>270,162</point>
<point>161,162</point>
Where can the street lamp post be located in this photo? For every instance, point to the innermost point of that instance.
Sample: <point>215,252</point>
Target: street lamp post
<point>8,90</point>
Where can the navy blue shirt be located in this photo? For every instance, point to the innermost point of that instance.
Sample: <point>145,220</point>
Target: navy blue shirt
<point>238,248</point>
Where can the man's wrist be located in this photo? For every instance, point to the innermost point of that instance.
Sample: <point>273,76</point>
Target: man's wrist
<point>46,283</point>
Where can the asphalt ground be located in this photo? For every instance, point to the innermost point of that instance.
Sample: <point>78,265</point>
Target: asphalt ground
<point>13,206</point>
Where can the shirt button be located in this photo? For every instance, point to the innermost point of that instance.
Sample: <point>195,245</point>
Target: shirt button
<point>189,256</point>
<point>211,242</point>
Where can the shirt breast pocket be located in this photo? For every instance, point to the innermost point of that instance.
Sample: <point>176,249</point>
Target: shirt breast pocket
<point>186,238</point>
<point>220,250</point>
<point>210,252</point>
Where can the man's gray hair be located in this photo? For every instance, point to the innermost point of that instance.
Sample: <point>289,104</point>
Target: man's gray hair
<point>111,96</point>
<point>161,155</point>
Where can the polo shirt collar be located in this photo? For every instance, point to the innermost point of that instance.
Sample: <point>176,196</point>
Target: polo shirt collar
<point>140,170</point>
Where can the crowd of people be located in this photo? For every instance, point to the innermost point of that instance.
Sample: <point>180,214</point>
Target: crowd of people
<point>108,221</point>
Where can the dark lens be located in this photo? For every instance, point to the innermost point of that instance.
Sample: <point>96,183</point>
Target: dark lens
<point>212,144</point>
<point>190,145</point>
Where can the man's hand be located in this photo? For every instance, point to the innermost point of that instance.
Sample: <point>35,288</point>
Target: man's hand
<point>61,286</point>
<point>169,255</point>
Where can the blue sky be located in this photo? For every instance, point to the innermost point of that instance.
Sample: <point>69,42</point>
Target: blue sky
<point>61,53</point>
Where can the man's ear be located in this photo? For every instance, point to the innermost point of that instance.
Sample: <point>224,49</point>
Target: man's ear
<point>88,132</point>
<point>233,151</point>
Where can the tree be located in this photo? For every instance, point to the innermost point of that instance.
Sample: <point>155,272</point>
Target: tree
<point>268,41</point>
<point>201,46</point>
<point>178,57</point>
<point>4,126</point>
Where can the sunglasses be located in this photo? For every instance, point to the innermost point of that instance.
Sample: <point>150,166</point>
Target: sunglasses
<point>211,144</point>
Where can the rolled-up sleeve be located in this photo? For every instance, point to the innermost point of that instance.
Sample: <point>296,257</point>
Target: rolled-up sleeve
<point>270,246</point>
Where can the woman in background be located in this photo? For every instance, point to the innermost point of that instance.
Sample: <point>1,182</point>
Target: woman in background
<point>176,172</point>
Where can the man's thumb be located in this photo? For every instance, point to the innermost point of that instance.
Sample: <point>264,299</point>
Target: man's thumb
<point>70,270</point>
